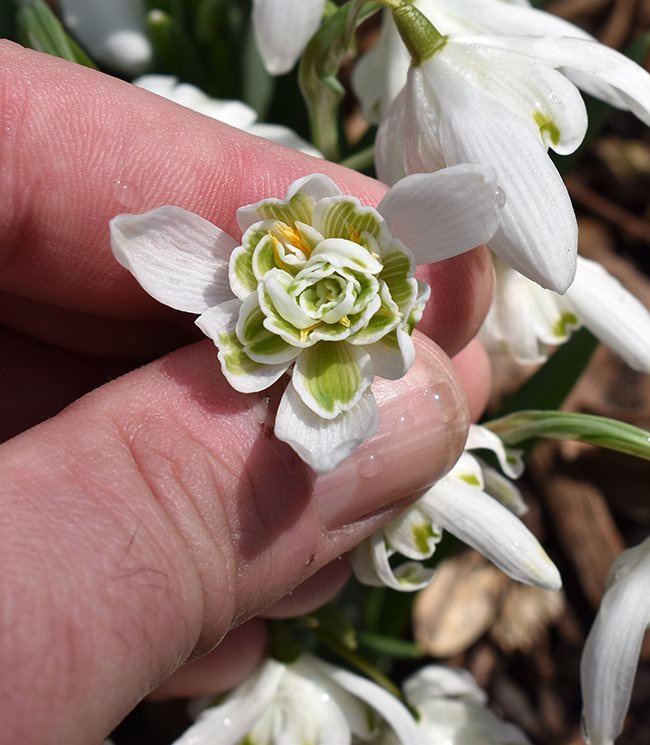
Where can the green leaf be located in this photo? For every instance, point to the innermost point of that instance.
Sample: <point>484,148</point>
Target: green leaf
<point>40,29</point>
<point>319,67</point>
<point>175,51</point>
<point>559,425</point>
<point>330,623</point>
<point>388,646</point>
<point>553,382</point>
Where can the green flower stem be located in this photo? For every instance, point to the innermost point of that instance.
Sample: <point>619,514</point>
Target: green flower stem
<point>360,161</point>
<point>367,668</point>
<point>421,37</point>
<point>559,425</point>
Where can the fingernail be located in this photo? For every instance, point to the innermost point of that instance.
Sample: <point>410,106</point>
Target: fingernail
<point>423,421</point>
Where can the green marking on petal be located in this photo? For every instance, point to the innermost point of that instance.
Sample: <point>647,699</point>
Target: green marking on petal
<point>233,357</point>
<point>264,257</point>
<point>298,208</point>
<point>330,376</point>
<point>565,324</point>
<point>470,478</point>
<point>271,349</point>
<point>241,271</point>
<point>398,276</point>
<point>344,217</point>
<point>547,128</point>
<point>422,535</point>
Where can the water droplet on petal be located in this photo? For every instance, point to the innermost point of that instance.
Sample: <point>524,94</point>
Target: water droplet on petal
<point>500,198</point>
<point>370,465</point>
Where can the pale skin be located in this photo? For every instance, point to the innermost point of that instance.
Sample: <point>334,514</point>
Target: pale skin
<point>157,515</point>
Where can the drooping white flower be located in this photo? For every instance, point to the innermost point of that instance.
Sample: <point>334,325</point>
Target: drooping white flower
<point>380,74</point>
<point>525,321</point>
<point>320,286</point>
<point>475,503</point>
<point>611,652</point>
<point>283,28</point>
<point>232,112</point>
<point>505,100</point>
<point>452,711</point>
<point>112,32</point>
<point>307,701</point>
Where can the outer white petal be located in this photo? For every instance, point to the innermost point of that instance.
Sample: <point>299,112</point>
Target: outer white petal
<point>597,69</point>
<point>392,361</point>
<point>524,320</point>
<point>324,443</point>
<point>503,490</point>
<point>381,73</point>
<point>371,566</point>
<point>178,257</point>
<point>236,113</point>
<point>113,32</point>
<point>284,136</point>
<point>496,17</point>
<point>439,681</point>
<point>315,187</point>
<point>231,721</point>
<point>282,30</point>
<point>482,438</point>
<point>391,710</point>
<point>611,653</point>
<point>538,233</point>
<point>491,529</point>
<point>611,313</point>
<point>528,86</point>
<point>442,214</point>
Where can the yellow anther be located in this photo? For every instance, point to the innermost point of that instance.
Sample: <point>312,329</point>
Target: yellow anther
<point>286,234</point>
<point>345,321</point>
<point>276,254</point>
<point>304,333</point>
<point>355,235</point>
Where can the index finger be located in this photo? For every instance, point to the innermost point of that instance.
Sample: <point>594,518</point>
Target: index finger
<point>80,147</point>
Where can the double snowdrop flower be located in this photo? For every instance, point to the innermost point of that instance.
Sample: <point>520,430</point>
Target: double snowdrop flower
<point>474,502</point>
<point>502,100</point>
<point>452,710</point>
<point>112,32</point>
<point>320,287</point>
<point>305,701</point>
<point>232,112</point>
<point>611,652</point>
<point>525,321</point>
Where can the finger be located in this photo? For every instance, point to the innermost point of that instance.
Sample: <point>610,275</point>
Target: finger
<point>473,363</point>
<point>238,654</point>
<point>313,593</point>
<point>126,150</point>
<point>155,514</point>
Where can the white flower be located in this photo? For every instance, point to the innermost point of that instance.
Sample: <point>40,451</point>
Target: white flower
<point>526,320</point>
<point>475,503</point>
<point>307,701</point>
<point>112,32</point>
<point>452,710</point>
<point>381,73</point>
<point>611,653</point>
<point>283,28</point>
<point>320,287</point>
<point>232,112</point>
<point>504,100</point>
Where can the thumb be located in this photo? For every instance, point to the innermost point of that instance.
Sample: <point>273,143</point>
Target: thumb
<point>156,513</point>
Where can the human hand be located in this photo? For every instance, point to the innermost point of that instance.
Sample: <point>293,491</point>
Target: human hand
<point>157,514</point>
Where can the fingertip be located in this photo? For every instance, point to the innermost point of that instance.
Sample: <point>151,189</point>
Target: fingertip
<point>461,293</point>
<point>473,366</point>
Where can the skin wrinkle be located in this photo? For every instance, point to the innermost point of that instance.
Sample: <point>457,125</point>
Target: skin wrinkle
<point>181,506</point>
